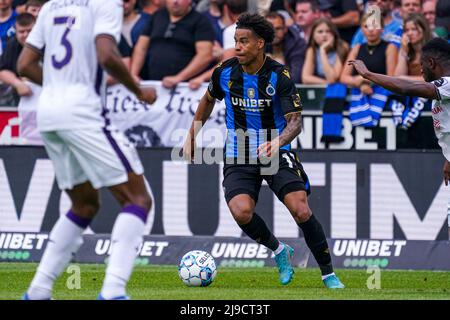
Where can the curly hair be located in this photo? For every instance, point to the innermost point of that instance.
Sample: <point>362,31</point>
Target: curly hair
<point>258,24</point>
<point>439,49</point>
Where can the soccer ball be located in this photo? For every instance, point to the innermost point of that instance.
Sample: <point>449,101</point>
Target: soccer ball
<point>197,269</point>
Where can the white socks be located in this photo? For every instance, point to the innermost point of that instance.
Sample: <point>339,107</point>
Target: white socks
<point>125,240</point>
<point>64,241</point>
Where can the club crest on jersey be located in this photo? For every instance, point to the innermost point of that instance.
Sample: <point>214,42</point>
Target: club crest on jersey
<point>230,83</point>
<point>270,90</point>
<point>286,73</point>
<point>251,93</point>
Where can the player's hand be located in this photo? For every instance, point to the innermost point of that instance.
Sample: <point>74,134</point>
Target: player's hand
<point>446,172</point>
<point>360,67</point>
<point>170,81</point>
<point>195,83</point>
<point>148,95</point>
<point>269,148</point>
<point>188,148</point>
<point>23,90</point>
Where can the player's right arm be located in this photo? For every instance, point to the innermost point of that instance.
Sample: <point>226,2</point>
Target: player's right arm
<point>398,85</point>
<point>111,61</point>
<point>204,109</point>
<point>108,17</point>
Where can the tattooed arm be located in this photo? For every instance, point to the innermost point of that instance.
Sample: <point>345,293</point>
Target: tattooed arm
<point>290,132</point>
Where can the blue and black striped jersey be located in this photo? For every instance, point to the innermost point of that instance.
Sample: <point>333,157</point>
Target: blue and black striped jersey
<point>256,104</point>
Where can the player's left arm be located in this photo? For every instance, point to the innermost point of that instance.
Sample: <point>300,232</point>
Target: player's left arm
<point>398,85</point>
<point>292,108</point>
<point>28,64</point>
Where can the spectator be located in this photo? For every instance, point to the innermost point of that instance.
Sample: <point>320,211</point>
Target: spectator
<point>344,14</point>
<point>407,7</point>
<point>179,43</point>
<point>288,47</point>
<point>8,71</point>
<point>443,17</point>
<point>7,22</point>
<point>151,6</point>
<point>232,9</point>
<point>218,19</point>
<point>34,6</point>
<point>416,34</point>
<point>325,55</point>
<point>378,55</point>
<point>306,12</point>
<point>429,12</point>
<point>133,22</point>
<point>391,25</point>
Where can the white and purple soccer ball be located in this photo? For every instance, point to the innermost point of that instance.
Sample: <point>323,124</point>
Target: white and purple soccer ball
<point>197,269</point>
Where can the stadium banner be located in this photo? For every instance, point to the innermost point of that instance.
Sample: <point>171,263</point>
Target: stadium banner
<point>165,123</point>
<point>241,252</point>
<point>355,194</point>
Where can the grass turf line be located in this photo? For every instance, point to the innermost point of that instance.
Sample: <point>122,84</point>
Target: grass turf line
<point>162,283</point>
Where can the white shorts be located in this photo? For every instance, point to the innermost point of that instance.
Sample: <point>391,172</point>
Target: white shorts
<point>97,155</point>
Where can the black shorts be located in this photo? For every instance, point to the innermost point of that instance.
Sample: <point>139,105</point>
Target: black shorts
<point>247,179</point>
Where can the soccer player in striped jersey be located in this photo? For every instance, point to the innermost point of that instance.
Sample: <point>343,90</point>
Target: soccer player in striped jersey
<point>263,116</point>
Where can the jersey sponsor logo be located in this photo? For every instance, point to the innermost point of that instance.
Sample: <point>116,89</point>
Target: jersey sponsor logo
<point>251,103</point>
<point>437,109</point>
<point>270,90</point>
<point>440,82</point>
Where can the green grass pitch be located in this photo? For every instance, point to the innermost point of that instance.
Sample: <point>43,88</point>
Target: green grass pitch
<point>162,283</point>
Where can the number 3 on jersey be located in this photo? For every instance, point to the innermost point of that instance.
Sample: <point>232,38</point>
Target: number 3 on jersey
<point>68,22</point>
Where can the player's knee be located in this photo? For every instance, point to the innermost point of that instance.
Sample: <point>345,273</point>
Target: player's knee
<point>242,211</point>
<point>143,201</point>
<point>88,209</point>
<point>301,212</point>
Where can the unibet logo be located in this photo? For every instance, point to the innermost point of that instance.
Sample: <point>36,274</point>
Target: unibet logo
<point>24,241</point>
<point>239,250</point>
<point>146,249</point>
<point>368,248</point>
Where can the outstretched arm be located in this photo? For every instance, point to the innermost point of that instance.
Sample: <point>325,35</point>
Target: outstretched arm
<point>398,85</point>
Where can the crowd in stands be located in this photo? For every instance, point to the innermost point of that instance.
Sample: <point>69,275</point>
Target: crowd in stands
<point>177,41</point>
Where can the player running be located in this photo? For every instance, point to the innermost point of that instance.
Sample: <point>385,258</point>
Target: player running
<point>78,40</point>
<point>435,62</point>
<point>261,100</point>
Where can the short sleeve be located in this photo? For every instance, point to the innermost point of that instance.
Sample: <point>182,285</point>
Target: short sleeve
<point>108,16</point>
<point>203,30</point>
<point>443,88</point>
<point>124,49</point>
<point>228,37</point>
<point>349,5</point>
<point>288,93</point>
<point>214,88</point>
<point>396,38</point>
<point>36,38</point>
